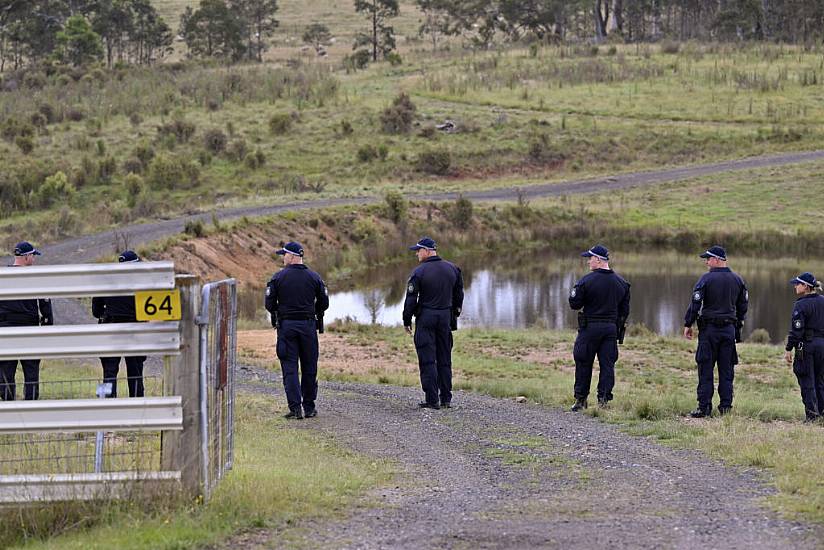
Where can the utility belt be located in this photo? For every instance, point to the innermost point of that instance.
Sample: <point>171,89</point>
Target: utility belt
<point>297,317</point>
<point>584,320</point>
<point>810,333</point>
<point>118,319</point>
<point>21,319</point>
<point>714,321</point>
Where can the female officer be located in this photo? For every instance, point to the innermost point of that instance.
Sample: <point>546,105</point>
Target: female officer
<point>807,337</point>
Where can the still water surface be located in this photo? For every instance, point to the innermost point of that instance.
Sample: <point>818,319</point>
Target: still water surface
<point>531,290</point>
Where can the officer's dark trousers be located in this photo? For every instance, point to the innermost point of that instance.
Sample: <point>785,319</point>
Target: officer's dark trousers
<point>298,341</point>
<point>716,345</point>
<point>134,374</point>
<point>808,368</point>
<point>31,379</point>
<point>596,339</point>
<point>433,342</point>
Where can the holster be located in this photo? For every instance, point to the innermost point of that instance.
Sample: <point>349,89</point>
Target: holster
<point>621,323</point>
<point>275,321</point>
<point>319,324</point>
<point>453,320</point>
<point>738,326</point>
<point>799,352</point>
<point>701,323</point>
<point>582,320</point>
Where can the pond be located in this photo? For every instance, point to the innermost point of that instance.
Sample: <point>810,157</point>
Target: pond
<point>531,289</point>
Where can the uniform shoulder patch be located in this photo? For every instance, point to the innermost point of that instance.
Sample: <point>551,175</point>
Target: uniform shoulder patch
<point>798,324</point>
<point>696,296</point>
<point>573,292</point>
<point>268,291</point>
<point>410,288</point>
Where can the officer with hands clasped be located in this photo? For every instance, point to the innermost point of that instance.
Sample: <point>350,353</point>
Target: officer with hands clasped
<point>434,296</point>
<point>806,337</point>
<point>602,298</point>
<point>23,313</point>
<point>719,306</point>
<point>120,309</point>
<point>296,298</point>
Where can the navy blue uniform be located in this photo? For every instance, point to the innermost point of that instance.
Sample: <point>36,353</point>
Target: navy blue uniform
<point>120,309</point>
<point>807,338</point>
<point>296,297</point>
<point>603,296</point>
<point>23,313</point>
<point>719,305</point>
<point>434,296</point>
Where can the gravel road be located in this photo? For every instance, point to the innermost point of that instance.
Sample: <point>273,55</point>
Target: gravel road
<point>493,473</point>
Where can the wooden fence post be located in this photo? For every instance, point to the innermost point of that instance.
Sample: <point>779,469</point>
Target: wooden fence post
<point>181,376</point>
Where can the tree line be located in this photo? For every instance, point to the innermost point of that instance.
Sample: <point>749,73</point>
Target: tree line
<point>78,32</point>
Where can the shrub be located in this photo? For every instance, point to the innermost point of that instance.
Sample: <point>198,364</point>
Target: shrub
<point>74,114</point>
<point>462,212</point>
<point>25,143</point>
<point>181,129</point>
<point>194,228</point>
<point>38,120</point>
<point>365,230</point>
<point>367,153</point>
<point>106,168</point>
<point>132,165</point>
<point>394,59</point>
<point>759,336</point>
<point>542,150</point>
<point>13,128</point>
<point>280,124</point>
<point>135,119</point>
<point>383,151</point>
<point>396,206</point>
<point>168,171</point>
<point>63,80</point>
<point>34,80</point>
<point>134,186</point>
<point>215,141</point>
<point>670,46</point>
<point>357,61</point>
<point>436,162</point>
<point>101,147</point>
<point>254,160</point>
<point>398,117</point>
<point>145,153</point>
<point>55,188</point>
<point>238,150</point>
<point>346,128</point>
<point>86,173</point>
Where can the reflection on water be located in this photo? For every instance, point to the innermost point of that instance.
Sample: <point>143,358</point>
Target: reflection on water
<point>531,290</point>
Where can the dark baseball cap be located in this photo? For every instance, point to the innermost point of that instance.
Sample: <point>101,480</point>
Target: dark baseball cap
<point>715,252</point>
<point>291,248</point>
<point>128,256</point>
<point>425,243</point>
<point>25,248</point>
<point>805,278</point>
<point>598,251</point>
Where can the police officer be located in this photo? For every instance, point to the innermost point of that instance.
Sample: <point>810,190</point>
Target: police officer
<point>434,296</point>
<point>23,313</point>
<point>807,338</point>
<point>120,309</point>
<point>719,306</point>
<point>602,297</point>
<point>296,298</point>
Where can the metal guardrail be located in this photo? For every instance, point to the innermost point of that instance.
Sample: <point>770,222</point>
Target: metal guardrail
<point>60,487</point>
<point>84,280</point>
<point>105,340</point>
<point>88,415</point>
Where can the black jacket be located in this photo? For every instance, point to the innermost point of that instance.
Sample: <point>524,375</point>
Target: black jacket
<point>808,316</point>
<point>25,312</point>
<point>434,284</point>
<point>114,309</point>
<point>719,294</point>
<point>603,294</point>
<point>296,292</point>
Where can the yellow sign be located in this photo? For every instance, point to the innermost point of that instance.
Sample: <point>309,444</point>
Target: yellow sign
<point>158,305</point>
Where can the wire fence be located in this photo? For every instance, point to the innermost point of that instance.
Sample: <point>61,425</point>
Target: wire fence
<point>218,343</point>
<point>82,388</point>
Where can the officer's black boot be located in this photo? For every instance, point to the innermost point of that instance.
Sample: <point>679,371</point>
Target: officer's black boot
<point>603,402</point>
<point>580,404</point>
<point>294,413</point>
<point>310,413</point>
<point>701,413</point>
<point>724,410</point>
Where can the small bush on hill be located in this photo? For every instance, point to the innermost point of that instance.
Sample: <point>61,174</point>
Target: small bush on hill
<point>168,171</point>
<point>280,124</point>
<point>461,212</point>
<point>435,162</point>
<point>215,141</point>
<point>55,188</point>
<point>398,117</point>
<point>25,143</point>
<point>396,206</point>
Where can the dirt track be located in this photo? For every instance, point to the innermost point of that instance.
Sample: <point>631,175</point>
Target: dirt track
<point>491,473</point>
<point>90,247</point>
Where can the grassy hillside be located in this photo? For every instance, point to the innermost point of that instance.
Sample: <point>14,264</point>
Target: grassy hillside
<point>202,136</point>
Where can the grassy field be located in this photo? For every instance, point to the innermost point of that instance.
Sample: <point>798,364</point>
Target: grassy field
<point>655,389</point>
<point>281,474</point>
<point>200,137</point>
